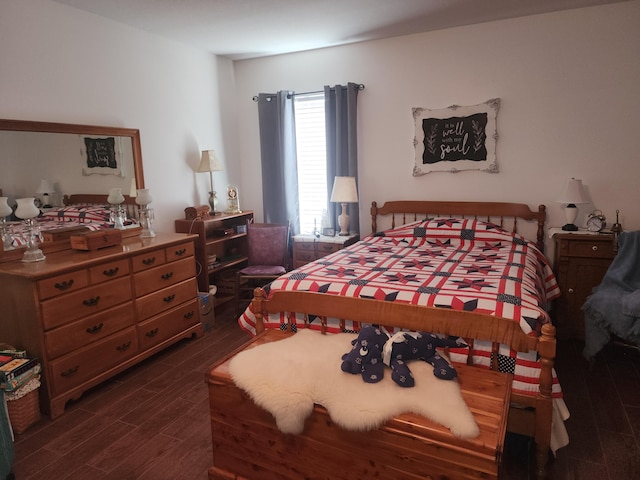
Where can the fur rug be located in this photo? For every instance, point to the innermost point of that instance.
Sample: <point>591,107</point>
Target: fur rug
<point>287,377</point>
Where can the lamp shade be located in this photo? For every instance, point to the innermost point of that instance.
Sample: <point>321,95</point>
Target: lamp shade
<point>115,196</point>
<point>573,193</point>
<point>209,162</point>
<point>44,187</point>
<point>344,190</point>
<point>27,208</point>
<point>143,197</point>
<point>5,209</point>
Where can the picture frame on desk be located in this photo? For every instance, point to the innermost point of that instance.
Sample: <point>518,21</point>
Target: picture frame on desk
<point>328,232</point>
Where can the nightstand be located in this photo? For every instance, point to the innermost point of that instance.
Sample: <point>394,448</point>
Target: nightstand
<point>580,262</point>
<point>307,248</point>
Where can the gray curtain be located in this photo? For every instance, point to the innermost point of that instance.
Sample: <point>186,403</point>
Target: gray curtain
<point>278,154</point>
<point>342,144</point>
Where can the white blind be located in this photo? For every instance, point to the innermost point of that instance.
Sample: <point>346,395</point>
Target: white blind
<point>312,159</point>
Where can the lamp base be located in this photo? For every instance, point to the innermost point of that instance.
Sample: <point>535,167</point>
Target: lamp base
<point>213,203</point>
<point>570,227</point>
<point>33,255</point>
<point>343,221</point>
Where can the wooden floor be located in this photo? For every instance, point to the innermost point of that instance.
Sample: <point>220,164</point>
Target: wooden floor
<point>151,422</point>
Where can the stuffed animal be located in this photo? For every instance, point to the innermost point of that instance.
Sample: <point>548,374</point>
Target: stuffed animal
<point>405,346</point>
<point>365,356</point>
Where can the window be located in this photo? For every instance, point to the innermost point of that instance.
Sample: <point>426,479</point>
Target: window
<point>312,159</point>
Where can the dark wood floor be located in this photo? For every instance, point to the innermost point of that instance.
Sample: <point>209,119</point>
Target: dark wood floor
<point>151,422</point>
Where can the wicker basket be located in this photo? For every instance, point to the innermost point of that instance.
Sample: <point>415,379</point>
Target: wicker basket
<point>25,411</point>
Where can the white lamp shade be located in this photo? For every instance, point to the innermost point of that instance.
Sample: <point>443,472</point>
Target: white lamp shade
<point>209,162</point>
<point>573,193</point>
<point>44,187</point>
<point>115,196</point>
<point>5,209</point>
<point>143,197</point>
<point>344,190</point>
<point>27,208</point>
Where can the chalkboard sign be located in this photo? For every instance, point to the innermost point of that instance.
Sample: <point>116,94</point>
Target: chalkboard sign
<point>456,138</point>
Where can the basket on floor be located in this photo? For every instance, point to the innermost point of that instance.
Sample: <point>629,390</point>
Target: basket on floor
<point>24,411</point>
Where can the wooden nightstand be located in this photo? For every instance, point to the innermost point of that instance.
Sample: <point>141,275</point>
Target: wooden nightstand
<point>307,248</point>
<point>580,262</point>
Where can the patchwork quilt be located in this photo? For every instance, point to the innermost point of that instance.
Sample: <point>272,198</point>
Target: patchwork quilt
<point>461,264</point>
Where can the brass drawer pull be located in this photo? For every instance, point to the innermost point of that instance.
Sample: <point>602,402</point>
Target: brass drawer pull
<point>170,298</point>
<point>64,285</point>
<point>167,276</point>
<point>95,329</point>
<point>152,333</point>
<point>70,372</point>
<point>149,261</point>
<point>92,302</point>
<point>181,252</point>
<point>124,347</point>
<point>111,272</point>
<point>189,315</point>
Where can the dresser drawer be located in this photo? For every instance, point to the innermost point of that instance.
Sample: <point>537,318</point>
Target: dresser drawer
<point>66,338</point>
<point>71,370</point>
<point>323,249</point>
<point>596,248</point>
<point>88,301</point>
<point>108,271</point>
<point>305,247</point>
<point>169,297</point>
<point>304,256</point>
<point>159,277</point>
<point>68,282</point>
<point>164,326</point>
<point>179,251</point>
<point>148,260</point>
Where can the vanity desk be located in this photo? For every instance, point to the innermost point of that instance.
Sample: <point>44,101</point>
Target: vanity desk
<point>88,315</point>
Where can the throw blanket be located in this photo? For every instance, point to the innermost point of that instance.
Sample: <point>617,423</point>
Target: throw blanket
<point>287,377</point>
<point>614,305</point>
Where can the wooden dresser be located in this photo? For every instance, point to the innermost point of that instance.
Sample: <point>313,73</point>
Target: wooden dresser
<point>307,248</point>
<point>88,315</point>
<point>580,262</point>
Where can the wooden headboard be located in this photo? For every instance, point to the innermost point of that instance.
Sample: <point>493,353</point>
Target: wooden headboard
<point>504,214</point>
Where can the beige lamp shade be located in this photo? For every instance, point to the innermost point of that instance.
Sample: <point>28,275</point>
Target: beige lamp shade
<point>344,190</point>
<point>209,162</point>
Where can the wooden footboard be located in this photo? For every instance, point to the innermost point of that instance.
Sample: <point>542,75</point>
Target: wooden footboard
<point>239,431</point>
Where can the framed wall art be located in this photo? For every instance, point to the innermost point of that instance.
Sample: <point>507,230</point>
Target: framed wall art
<point>102,156</point>
<point>456,138</point>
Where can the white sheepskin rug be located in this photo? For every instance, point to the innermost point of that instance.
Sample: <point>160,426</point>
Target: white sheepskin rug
<point>287,377</point>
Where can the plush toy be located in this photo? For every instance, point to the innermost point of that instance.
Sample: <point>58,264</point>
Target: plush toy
<point>365,356</point>
<point>405,346</point>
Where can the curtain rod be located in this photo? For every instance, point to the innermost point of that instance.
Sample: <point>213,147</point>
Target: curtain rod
<point>255,98</point>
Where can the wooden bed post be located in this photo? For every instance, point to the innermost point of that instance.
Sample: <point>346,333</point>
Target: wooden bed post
<point>544,406</point>
<point>256,305</point>
<point>374,216</point>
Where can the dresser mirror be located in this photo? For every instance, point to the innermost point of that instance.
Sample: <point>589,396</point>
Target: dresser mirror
<point>57,152</point>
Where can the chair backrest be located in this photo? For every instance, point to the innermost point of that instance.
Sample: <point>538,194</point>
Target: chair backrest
<point>268,244</point>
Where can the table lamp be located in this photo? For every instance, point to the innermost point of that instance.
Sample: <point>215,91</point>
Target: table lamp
<point>115,198</point>
<point>5,211</point>
<point>344,191</point>
<point>28,211</point>
<point>45,189</point>
<point>210,163</point>
<point>573,195</point>
<point>143,199</point>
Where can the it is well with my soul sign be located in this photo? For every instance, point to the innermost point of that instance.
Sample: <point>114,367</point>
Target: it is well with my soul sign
<point>454,138</point>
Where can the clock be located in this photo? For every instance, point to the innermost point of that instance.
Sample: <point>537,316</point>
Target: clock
<point>596,221</point>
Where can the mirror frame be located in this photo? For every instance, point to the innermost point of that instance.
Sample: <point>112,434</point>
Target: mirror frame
<point>51,127</point>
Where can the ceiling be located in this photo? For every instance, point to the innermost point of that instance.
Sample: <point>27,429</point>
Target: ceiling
<point>241,29</point>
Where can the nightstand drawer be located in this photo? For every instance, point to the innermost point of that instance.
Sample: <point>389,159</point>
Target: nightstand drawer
<point>323,249</point>
<point>601,248</point>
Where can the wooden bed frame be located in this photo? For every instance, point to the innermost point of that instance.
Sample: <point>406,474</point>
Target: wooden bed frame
<point>95,199</point>
<point>527,415</point>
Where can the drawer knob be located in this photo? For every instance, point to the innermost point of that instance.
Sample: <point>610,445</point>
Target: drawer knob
<point>69,373</point>
<point>189,315</point>
<point>571,290</point>
<point>95,329</point>
<point>124,346</point>
<point>169,298</point>
<point>92,302</point>
<point>64,285</point>
<point>111,272</point>
<point>149,261</point>
<point>181,252</point>
<point>152,333</point>
<point>167,276</point>
<point>594,248</point>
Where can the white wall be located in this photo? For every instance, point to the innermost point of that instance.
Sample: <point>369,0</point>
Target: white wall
<point>61,64</point>
<point>568,84</point>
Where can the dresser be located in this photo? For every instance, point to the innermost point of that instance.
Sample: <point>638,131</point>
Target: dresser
<point>88,315</point>
<point>307,248</point>
<point>580,262</point>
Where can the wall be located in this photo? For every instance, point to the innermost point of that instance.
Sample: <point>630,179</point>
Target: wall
<point>568,84</point>
<point>61,64</point>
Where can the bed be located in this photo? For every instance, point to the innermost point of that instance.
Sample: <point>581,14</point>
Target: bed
<point>465,258</point>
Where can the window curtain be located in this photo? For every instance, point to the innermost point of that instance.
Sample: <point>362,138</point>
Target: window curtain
<point>342,145</point>
<point>278,153</point>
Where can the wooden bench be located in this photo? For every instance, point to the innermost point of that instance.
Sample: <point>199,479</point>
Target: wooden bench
<point>248,445</point>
